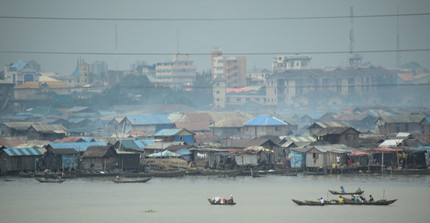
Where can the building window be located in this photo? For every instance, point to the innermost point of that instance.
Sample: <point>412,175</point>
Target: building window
<point>315,155</point>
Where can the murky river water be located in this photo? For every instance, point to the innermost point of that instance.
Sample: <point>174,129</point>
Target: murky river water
<point>263,199</point>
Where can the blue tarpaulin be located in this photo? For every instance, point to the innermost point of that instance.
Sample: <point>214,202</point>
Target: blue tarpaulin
<point>165,153</point>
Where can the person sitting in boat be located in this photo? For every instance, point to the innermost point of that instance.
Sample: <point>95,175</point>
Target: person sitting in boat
<point>117,177</point>
<point>362,199</point>
<point>342,189</point>
<point>230,200</point>
<point>340,200</point>
<point>356,199</point>
<point>371,198</point>
<point>322,200</point>
<point>358,190</point>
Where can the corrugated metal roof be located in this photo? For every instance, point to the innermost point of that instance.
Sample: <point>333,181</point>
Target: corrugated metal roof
<point>230,122</point>
<point>403,119</point>
<point>78,146</point>
<point>172,132</point>
<point>301,139</point>
<point>19,125</point>
<point>50,128</point>
<point>161,145</point>
<point>23,152</point>
<point>329,124</point>
<point>265,120</point>
<point>133,144</point>
<point>167,132</point>
<point>148,119</point>
<point>334,130</point>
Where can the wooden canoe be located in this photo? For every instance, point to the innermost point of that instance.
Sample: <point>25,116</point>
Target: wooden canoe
<point>346,202</point>
<point>228,173</point>
<point>49,180</point>
<point>345,193</point>
<point>378,202</point>
<point>308,203</point>
<point>140,180</point>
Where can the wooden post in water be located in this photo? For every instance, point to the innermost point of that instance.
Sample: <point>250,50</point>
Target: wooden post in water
<point>382,163</point>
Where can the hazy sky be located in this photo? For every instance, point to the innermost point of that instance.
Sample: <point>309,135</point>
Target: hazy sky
<point>266,38</point>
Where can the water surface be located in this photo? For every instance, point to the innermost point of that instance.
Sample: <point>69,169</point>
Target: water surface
<point>184,199</point>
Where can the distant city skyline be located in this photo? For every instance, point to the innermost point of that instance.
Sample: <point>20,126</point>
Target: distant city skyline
<point>60,32</point>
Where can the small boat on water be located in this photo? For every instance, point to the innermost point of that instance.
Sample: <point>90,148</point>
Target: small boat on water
<point>345,193</point>
<point>346,202</point>
<point>382,202</point>
<point>221,201</point>
<point>140,180</point>
<point>50,180</point>
<point>308,203</point>
<point>210,172</point>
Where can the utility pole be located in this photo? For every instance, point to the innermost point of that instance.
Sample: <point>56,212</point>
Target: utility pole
<point>398,64</point>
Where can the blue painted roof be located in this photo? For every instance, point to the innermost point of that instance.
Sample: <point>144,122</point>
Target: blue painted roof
<point>76,73</point>
<point>148,119</point>
<point>78,146</point>
<point>90,139</point>
<point>135,144</point>
<point>23,152</point>
<point>183,152</point>
<point>428,119</point>
<point>264,120</point>
<point>167,132</point>
<point>19,65</point>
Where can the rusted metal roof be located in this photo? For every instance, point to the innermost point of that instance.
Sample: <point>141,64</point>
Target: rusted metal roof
<point>96,151</point>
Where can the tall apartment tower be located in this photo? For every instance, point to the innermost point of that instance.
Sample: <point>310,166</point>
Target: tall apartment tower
<point>179,73</point>
<point>232,69</point>
<point>215,54</point>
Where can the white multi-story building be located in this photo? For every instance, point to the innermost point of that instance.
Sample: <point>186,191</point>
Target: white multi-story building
<point>178,73</point>
<point>291,62</point>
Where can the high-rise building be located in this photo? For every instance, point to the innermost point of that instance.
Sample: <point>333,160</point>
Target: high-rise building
<point>232,69</point>
<point>179,73</point>
<point>99,67</point>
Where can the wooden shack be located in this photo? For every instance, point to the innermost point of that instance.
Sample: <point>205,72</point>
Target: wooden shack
<point>46,132</point>
<point>14,160</point>
<point>99,158</point>
<point>67,155</point>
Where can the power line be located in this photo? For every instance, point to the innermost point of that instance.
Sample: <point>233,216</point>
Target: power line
<point>208,54</point>
<point>212,19</point>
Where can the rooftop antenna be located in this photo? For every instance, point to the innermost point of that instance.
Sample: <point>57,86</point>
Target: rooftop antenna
<point>351,32</point>
<point>397,41</point>
<point>354,59</point>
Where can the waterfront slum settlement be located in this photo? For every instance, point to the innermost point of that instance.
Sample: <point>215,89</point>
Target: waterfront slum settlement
<point>171,143</point>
